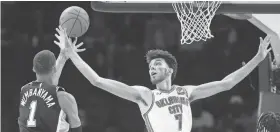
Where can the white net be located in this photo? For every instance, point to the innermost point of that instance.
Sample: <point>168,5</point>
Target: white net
<point>195,18</point>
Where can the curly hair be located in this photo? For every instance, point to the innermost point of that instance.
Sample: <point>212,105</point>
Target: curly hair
<point>169,59</point>
<point>269,122</point>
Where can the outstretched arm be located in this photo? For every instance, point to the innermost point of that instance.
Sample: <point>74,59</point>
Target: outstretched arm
<point>212,88</point>
<point>132,93</point>
<point>62,58</point>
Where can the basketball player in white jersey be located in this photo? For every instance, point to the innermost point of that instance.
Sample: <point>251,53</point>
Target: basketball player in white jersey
<point>166,109</point>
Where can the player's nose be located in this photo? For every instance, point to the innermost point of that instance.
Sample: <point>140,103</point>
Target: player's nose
<point>152,68</point>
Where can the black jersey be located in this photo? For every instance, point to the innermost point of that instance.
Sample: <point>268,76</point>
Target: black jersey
<point>39,109</point>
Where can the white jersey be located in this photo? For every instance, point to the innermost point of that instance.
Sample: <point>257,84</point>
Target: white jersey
<point>169,111</point>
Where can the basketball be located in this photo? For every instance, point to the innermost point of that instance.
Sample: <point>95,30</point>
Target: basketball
<point>76,21</point>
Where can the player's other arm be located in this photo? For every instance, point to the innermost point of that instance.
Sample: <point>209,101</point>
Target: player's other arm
<point>212,88</point>
<point>132,93</point>
<point>68,104</point>
<point>60,62</point>
<point>61,59</point>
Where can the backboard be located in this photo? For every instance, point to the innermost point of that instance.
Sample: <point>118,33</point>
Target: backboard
<point>256,7</point>
<point>265,15</point>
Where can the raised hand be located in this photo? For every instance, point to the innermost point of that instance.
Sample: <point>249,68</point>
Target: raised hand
<point>72,44</point>
<point>65,43</point>
<point>263,48</point>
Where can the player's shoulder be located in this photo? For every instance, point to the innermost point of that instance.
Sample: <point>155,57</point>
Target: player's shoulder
<point>66,100</point>
<point>141,88</point>
<point>65,97</point>
<point>185,86</point>
<point>53,87</point>
<point>26,86</point>
<point>145,98</point>
<point>188,88</point>
<point>145,92</point>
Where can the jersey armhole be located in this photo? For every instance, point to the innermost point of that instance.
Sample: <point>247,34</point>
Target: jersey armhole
<point>146,117</point>
<point>151,106</point>
<point>59,89</point>
<point>189,90</point>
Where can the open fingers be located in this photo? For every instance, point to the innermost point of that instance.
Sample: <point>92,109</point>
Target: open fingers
<point>80,50</point>
<point>267,45</point>
<point>261,40</point>
<point>59,30</point>
<point>267,41</point>
<point>75,41</point>
<point>57,43</point>
<point>79,45</point>
<point>57,36</point>
<point>269,49</point>
<point>267,38</point>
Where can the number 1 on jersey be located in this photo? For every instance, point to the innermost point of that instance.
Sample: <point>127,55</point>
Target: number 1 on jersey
<point>179,118</point>
<point>31,122</point>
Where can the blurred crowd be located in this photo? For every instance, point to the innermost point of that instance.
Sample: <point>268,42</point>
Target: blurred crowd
<point>116,45</point>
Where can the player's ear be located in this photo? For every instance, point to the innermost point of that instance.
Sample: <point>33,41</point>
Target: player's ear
<point>170,70</point>
<point>33,70</point>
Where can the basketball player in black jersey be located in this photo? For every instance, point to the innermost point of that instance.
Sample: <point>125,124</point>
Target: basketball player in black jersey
<point>44,106</point>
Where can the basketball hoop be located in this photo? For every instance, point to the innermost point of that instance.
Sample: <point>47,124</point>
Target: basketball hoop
<point>195,18</point>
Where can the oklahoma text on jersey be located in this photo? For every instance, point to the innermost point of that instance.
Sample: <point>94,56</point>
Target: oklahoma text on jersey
<point>173,109</point>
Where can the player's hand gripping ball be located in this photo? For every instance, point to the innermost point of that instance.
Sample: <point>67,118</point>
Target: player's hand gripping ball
<point>76,20</point>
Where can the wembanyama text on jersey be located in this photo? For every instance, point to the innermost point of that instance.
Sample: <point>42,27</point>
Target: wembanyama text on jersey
<point>39,92</point>
<point>39,109</point>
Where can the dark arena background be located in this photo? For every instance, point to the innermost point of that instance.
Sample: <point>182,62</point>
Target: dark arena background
<point>116,44</point>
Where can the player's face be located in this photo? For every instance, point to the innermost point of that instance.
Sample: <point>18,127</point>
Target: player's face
<point>158,70</point>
